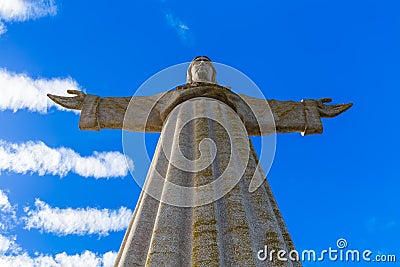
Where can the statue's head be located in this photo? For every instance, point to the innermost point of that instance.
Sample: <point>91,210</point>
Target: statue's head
<point>201,69</point>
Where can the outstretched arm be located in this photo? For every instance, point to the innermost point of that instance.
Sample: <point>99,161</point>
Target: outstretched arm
<point>96,112</point>
<point>304,116</point>
<point>109,112</point>
<point>291,116</point>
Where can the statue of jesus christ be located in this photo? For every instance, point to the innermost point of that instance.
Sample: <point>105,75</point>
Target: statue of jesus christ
<point>185,216</point>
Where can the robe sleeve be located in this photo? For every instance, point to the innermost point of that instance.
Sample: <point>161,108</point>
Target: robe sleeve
<point>287,116</point>
<point>89,115</point>
<point>291,116</point>
<point>109,113</point>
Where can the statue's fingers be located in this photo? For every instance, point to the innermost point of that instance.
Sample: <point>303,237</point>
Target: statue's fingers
<point>75,92</point>
<point>52,97</point>
<point>344,107</point>
<point>340,108</point>
<point>329,111</point>
<point>325,100</point>
<point>67,102</point>
<point>59,99</point>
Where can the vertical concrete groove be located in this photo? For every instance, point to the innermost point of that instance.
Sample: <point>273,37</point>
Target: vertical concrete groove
<point>264,208</point>
<point>167,246</point>
<point>235,235</point>
<point>222,240</point>
<point>136,242</point>
<point>265,226</point>
<point>204,232</point>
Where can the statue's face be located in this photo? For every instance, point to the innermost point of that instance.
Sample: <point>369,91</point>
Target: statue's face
<point>202,70</point>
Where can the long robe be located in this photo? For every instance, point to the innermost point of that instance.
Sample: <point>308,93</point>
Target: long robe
<point>231,230</point>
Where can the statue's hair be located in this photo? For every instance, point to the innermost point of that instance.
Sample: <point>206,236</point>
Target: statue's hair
<point>189,70</point>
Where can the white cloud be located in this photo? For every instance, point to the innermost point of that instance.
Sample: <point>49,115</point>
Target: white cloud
<point>8,217</point>
<point>36,157</point>
<point>23,10</point>
<point>86,259</point>
<point>11,254</point>
<point>5,205</point>
<point>109,258</point>
<point>19,91</point>
<point>179,26</point>
<point>5,243</point>
<point>3,28</point>
<point>8,245</point>
<point>76,221</point>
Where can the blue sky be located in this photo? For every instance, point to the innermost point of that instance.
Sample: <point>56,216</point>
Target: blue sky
<point>341,184</point>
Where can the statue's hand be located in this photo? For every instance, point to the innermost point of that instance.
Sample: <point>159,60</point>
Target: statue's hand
<point>75,102</point>
<point>329,111</point>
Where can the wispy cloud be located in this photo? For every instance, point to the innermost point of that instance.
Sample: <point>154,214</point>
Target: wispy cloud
<point>181,28</point>
<point>80,221</point>
<point>8,220</point>
<point>5,243</point>
<point>19,91</point>
<point>5,205</point>
<point>8,217</point>
<point>3,28</point>
<point>23,10</point>
<point>37,157</point>
<point>12,254</point>
<point>8,245</point>
<point>86,259</point>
